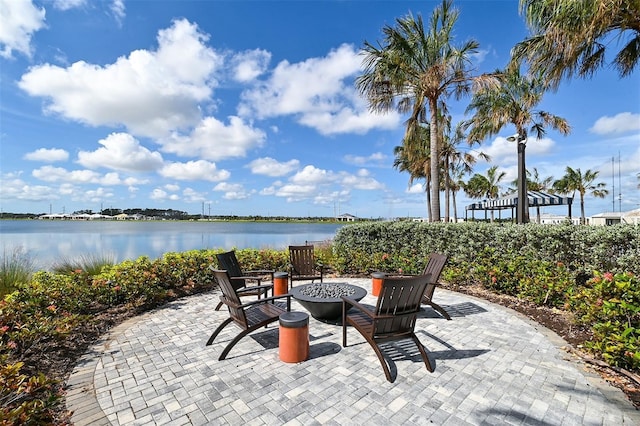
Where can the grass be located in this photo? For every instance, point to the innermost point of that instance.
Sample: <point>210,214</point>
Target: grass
<point>16,268</point>
<point>90,264</point>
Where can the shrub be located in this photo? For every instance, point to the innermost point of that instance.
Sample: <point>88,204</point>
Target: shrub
<point>610,304</point>
<point>90,264</point>
<point>16,268</point>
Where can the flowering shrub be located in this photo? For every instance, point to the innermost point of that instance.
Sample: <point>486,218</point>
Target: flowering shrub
<point>610,303</point>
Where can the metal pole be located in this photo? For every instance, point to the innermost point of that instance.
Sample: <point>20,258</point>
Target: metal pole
<point>523,199</point>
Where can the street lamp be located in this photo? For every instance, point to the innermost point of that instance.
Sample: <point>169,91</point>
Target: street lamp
<point>522,211</point>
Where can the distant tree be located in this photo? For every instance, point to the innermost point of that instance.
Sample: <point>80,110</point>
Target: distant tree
<point>570,37</point>
<point>413,157</point>
<point>575,180</point>
<point>481,186</point>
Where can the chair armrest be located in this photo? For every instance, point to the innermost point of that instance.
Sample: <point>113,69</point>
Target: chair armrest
<point>254,288</point>
<point>259,271</point>
<point>357,305</point>
<point>266,299</point>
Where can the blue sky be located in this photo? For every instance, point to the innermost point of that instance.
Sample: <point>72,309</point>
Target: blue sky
<point>249,107</point>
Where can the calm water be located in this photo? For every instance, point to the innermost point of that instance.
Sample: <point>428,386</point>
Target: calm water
<point>48,241</point>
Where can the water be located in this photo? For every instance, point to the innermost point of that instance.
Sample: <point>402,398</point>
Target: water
<point>49,241</point>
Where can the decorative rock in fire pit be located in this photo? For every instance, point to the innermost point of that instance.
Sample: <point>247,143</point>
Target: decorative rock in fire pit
<point>323,301</point>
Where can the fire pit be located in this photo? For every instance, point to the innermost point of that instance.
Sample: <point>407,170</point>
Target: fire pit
<point>323,301</point>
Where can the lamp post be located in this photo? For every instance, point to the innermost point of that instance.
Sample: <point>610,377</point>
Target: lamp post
<point>522,211</point>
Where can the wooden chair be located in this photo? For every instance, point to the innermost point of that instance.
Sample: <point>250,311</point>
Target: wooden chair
<point>248,316</point>
<point>394,317</point>
<point>434,267</point>
<point>303,264</point>
<point>229,262</point>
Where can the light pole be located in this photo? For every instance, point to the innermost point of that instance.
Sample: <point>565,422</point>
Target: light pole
<point>522,211</point>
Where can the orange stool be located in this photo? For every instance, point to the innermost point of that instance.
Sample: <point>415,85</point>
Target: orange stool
<point>376,285</point>
<point>280,283</point>
<point>294,336</point>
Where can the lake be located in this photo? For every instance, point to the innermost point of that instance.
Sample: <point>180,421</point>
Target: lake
<point>49,241</point>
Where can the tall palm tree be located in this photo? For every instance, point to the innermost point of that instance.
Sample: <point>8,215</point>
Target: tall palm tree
<point>571,37</point>
<point>575,180</point>
<point>415,70</point>
<point>513,102</point>
<point>480,186</point>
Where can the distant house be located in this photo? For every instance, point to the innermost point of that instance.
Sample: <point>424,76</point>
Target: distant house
<point>614,218</point>
<point>346,218</point>
<point>551,219</point>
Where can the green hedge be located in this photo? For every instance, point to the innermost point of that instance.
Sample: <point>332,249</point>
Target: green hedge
<point>391,246</point>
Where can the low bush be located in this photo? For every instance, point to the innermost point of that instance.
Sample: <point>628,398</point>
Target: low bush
<point>16,268</point>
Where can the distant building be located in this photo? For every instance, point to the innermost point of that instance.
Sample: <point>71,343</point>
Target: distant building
<point>614,218</point>
<point>346,218</point>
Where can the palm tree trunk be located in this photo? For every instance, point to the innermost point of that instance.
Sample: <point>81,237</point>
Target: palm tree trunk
<point>455,208</point>
<point>446,190</point>
<point>435,162</point>
<point>429,198</point>
<point>582,216</point>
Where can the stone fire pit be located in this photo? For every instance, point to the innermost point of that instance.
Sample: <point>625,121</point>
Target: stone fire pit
<point>323,301</point>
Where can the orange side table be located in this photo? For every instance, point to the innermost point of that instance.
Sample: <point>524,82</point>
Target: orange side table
<point>280,283</point>
<point>294,336</point>
<point>376,284</point>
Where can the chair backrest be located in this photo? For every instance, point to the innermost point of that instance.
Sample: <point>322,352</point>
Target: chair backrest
<point>435,265</point>
<point>302,260</point>
<point>229,262</point>
<point>398,305</point>
<point>229,294</point>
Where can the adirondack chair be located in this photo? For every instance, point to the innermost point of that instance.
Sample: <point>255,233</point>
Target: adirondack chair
<point>434,266</point>
<point>248,316</point>
<point>239,278</point>
<point>303,264</point>
<point>394,317</point>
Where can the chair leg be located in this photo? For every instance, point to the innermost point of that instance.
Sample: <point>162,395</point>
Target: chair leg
<point>219,306</point>
<point>344,325</point>
<point>385,367</point>
<point>236,339</point>
<point>218,330</point>
<point>423,353</point>
<point>440,309</point>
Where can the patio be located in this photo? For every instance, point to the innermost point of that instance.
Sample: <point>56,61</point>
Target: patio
<point>492,366</point>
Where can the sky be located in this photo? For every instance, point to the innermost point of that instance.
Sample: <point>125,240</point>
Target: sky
<point>250,108</point>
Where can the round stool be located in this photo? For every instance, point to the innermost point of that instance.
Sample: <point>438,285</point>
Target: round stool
<point>294,336</point>
<point>280,283</point>
<point>376,284</point>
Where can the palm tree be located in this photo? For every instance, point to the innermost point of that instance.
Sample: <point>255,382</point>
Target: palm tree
<point>416,69</point>
<point>574,181</point>
<point>456,163</point>
<point>412,157</point>
<point>513,102</point>
<point>480,186</point>
<point>571,37</point>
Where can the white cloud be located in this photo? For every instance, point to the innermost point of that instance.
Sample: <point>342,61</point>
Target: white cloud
<point>121,151</point>
<point>213,140</point>
<point>19,20</point>
<point>294,192</point>
<point>59,174</point>
<point>270,167</point>
<point>118,9</point>
<point>502,151</point>
<point>313,175</point>
<point>47,155</point>
<point>416,188</point>
<point>68,4</point>
<point>247,66</point>
<point>172,187</point>
<point>362,180</point>
<point>190,195</point>
<point>620,123</point>
<point>376,158</point>
<point>14,188</point>
<point>194,170</point>
<point>233,191</point>
<point>320,92</point>
<point>149,92</point>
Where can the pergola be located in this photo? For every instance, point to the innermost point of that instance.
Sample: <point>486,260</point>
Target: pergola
<point>536,199</point>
